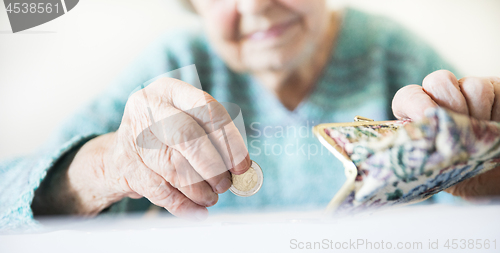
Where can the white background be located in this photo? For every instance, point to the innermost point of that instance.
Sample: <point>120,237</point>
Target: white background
<point>48,71</point>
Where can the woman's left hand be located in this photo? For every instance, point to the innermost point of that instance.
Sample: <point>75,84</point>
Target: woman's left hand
<point>478,97</point>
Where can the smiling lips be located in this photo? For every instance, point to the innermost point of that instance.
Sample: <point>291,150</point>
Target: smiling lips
<point>273,32</point>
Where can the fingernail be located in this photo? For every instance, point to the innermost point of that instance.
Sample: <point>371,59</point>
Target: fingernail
<point>242,166</point>
<point>223,185</point>
<point>213,201</point>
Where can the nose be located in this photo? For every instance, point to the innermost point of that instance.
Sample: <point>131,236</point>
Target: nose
<point>253,6</point>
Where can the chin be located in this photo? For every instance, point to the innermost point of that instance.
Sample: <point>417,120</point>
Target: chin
<point>273,62</point>
<point>285,58</point>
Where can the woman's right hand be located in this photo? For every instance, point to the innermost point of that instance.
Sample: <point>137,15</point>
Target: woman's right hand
<point>174,146</point>
<point>174,162</point>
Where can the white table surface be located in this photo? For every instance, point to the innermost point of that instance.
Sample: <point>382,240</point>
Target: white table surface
<point>267,232</point>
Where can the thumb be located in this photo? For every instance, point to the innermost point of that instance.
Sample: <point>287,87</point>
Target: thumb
<point>410,102</point>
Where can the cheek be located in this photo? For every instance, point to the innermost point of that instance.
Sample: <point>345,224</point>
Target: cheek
<point>311,10</point>
<point>303,6</point>
<point>223,19</point>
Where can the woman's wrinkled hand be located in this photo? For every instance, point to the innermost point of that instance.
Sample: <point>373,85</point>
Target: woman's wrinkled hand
<point>478,97</point>
<point>175,146</point>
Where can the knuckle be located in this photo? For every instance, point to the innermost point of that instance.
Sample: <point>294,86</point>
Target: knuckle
<point>164,88</point>
<point>411,93</point>
<point>135,107</point>
<point>201,195</point>
<point>481,84</point>
<point>135,99</point>
<point>201,98</point>
<point>495,80</point>
<point>444,74</point>
<point>164,83</point>
<point>177,206</point>
<point>488,88</point>
<point>161,194</point>
<point>220,115</point>
<point>208,98</point>
<point>401,93</point>
<point>468,81</point>
<point>439,78</point>
<point>478,87</point>
<point>167,168</point>
<point>183,132</point>
<point>197,146</point>
<point>409,89</point>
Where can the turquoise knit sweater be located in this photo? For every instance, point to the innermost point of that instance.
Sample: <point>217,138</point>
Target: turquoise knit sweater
<point>373,57</point>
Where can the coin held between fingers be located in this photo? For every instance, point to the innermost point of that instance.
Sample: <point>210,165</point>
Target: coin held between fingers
<point>248,183</point>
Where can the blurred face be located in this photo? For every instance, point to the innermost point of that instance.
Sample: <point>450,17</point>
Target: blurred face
<point>263,35</point>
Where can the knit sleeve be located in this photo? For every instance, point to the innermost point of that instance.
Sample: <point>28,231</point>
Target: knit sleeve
<point>20,177</point>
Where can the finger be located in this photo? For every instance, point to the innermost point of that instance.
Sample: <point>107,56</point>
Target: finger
<point>226,137</point>
<point>442,86</point>
<point>479,94</point>
<point>481,186</point>
<point>152,186</point>
<point>195,145</point>
<point>206,160</point>
<point>178,130</point>
<point>152,148</point>
<point>495,111</point>
<point>215,120</point>
<point>176,170</point>
<point>411,102</point>
<point>209,164</point>
<point>181,132</point>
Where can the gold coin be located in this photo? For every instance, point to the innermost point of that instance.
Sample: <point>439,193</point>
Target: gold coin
<point>248,183</point>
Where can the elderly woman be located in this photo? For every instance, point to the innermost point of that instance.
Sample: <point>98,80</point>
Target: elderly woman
<point>289,65</point>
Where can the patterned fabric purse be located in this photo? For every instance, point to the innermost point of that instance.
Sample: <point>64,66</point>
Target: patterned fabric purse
<point>396,162</point>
